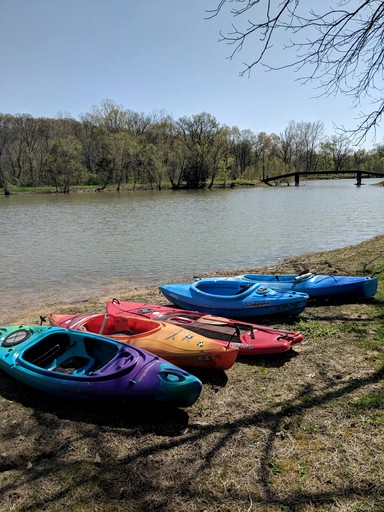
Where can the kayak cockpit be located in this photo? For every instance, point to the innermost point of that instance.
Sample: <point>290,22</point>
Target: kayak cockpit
<point>62,353</point>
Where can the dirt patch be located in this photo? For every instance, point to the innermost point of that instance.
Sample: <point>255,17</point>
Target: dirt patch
<point>299,432</point>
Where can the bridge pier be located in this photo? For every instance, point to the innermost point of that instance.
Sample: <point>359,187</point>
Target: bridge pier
<point>297,179</point>
<point>358,178</point>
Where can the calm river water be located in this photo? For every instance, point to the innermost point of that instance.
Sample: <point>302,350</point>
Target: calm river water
<point>61,247</point>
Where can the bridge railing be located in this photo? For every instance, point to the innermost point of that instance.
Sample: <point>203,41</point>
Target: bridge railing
<point>297,174</point>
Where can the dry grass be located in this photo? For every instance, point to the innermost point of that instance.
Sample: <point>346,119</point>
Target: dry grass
<point>301,432</point>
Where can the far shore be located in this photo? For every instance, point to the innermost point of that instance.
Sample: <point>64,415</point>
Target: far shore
<point>82,189</point>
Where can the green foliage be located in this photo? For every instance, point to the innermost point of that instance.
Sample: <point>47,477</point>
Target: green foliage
<point>113,146</point>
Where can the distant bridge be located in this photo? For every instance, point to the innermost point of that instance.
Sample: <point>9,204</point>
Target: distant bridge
<point>358,173</point>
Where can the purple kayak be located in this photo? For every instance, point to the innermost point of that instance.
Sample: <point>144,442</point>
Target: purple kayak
<point>84,365</point>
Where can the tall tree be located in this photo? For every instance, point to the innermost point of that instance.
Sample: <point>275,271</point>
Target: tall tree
<point>122,148</point>
<point>177,160</point>
<point>265,151</point>
<point>307,138</point>
<point>24,148</point>
<point>7,130</point>
<point>286,146</point>
<point>90,136</point>
<point>65,163</point>
<point>339,149</point>
<point>199,134</point>
<point>243,143</point>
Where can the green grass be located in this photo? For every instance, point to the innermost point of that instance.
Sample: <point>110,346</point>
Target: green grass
<point>317,330</point>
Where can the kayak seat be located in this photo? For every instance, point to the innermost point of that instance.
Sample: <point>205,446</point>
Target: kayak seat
<point>44,354</point>
<point>122,334</point>
<point>243,288</point>
<point>86,368</point>
<point>76,365</point>
<point>55,353</point>
<point>100,353</point>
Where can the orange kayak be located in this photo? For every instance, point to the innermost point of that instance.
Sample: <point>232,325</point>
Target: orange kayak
<point>177,345</point>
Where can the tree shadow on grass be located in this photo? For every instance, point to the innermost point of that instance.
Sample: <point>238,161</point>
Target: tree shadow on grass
<point>340,301</point>
<point>136,479</point>
<point>218,379</point>
<point>274,421</point>
<point>269,360</point>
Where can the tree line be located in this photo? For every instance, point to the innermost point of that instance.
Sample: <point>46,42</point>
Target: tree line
<point>111,146</point>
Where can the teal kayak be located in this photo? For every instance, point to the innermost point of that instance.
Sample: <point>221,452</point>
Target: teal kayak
<point>88,366</point>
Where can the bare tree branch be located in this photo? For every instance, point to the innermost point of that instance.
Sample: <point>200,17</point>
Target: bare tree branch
<point>341,47</point>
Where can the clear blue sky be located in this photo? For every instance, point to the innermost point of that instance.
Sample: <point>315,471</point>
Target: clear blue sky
<point>65,56</point>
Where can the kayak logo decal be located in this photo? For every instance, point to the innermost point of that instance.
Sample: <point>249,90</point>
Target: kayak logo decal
<point>174,335</point>
<point>257,304</point>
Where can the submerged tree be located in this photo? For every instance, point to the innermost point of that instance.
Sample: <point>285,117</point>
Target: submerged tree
<point>339,47</point>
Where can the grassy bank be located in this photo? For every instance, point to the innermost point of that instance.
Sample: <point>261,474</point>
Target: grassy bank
<point>300,432</point>
<point>166,185</point>
<point>126,187</point>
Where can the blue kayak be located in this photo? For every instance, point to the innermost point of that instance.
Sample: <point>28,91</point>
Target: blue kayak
<point>83,365</point>
<point>234,298</point>
<point>317,286</point>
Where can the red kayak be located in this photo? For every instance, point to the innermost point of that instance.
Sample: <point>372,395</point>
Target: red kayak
<point>250,339</point>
